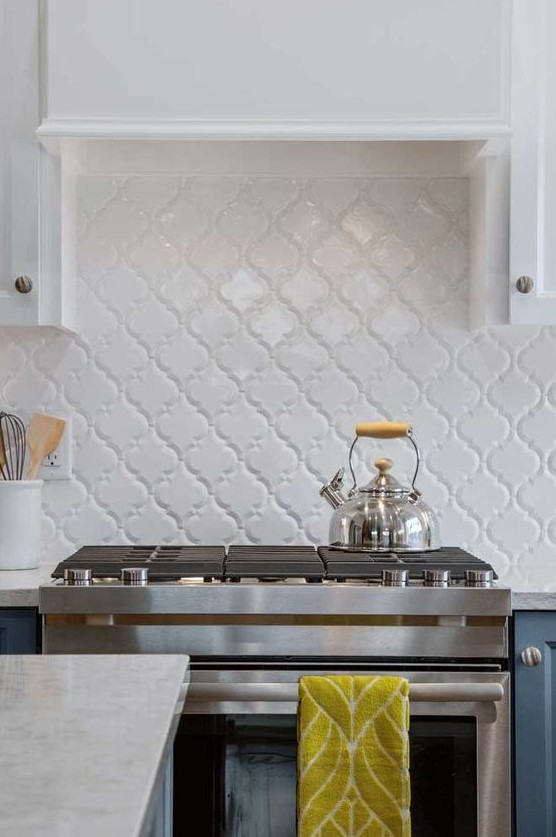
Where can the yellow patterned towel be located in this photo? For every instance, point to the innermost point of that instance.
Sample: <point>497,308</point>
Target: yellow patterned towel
<point>353,757</point>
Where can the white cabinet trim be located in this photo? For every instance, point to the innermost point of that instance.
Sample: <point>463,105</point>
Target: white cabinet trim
<point>51,130</point>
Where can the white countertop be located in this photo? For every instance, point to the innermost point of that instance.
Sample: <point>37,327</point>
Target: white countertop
<point>20,588</point>
<point>533,586</point>
<point>534,600</point>
<point>84,741</point>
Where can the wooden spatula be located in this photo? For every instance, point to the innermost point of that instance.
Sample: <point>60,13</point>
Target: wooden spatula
<point>43,436</point>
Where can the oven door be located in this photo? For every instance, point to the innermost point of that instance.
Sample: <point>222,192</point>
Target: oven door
<point>235,752</point>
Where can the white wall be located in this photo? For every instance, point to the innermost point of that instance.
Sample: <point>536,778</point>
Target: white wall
<point>233,329</point>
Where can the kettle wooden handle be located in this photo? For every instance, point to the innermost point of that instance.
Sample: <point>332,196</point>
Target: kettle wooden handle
<point>383,429</point>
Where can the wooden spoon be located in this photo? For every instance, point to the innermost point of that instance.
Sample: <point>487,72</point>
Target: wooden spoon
<point>43,436</point>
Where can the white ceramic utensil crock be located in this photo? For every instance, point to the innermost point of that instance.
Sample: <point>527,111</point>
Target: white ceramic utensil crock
<point>20,524</point>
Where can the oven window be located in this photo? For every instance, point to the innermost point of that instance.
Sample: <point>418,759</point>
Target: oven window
<point>443,765</point>
<point>237,774</point>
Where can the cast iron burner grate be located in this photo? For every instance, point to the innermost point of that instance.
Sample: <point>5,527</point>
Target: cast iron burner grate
<point>342,564</point>
<point>268,562</point>
<point>263,563</point>
<point>164,563</point>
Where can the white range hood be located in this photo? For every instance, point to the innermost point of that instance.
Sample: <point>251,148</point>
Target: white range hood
<point>146,87</point>
<point>141,86</point>
<point>317,69</point>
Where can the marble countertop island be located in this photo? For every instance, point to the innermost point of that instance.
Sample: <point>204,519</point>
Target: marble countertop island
<point>85,741</point>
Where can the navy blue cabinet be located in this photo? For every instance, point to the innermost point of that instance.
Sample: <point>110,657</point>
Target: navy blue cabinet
<point>535,723</point>
<point>19,632</point>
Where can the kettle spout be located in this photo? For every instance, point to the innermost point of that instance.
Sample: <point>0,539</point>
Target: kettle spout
<point>332,491</point>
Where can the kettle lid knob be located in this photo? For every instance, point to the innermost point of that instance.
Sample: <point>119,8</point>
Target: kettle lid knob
<point>384,484</point>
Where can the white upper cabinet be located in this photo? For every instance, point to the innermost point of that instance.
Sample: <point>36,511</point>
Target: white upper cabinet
<point>533,164</point>
<point>19,116</point>
<point>250,68</point>
<point>31,289</point>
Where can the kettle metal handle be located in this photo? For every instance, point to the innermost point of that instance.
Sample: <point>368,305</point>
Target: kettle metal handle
<point>386,430</point>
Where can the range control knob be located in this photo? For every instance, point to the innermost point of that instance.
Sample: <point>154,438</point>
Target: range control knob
<point>436,578</point>
<point>479,578</point>
<point>78,576</point>
<point>395,578</point>
<point>135,576</point>
<point>531,656</point>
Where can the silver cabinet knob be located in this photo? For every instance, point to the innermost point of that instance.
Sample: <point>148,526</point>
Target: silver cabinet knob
<point>531,656</point>
<point>524,284</point>
<point>23,284</point>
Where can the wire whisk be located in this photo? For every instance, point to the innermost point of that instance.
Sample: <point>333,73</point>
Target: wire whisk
<point>12,447</point>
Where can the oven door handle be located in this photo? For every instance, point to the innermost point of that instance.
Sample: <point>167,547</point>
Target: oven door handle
<point>288,692</point>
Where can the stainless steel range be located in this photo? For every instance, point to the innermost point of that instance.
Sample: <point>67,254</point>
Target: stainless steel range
<point>255,618</point>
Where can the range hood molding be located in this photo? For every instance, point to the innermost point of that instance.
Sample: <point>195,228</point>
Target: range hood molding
<point>52,131</point>
<point>83,155</point>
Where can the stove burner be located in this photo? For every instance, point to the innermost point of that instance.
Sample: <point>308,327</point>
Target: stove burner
<point>341,564</point>
<point>266,563</point>
<point>277,562</point>
<point>164,563</point>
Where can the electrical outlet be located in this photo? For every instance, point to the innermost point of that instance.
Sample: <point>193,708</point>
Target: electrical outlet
<point>57,465</point>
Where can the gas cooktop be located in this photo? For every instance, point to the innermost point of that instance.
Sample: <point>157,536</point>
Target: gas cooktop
<point>151,564</point>
<point>272,602</point>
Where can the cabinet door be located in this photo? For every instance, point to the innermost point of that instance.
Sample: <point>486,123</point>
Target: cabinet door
<point>535,723</point>
<point>533,172</point>
<point>18,631</point>
<point>324,68</point>
<point>19,117</point>
<point>161,816</point>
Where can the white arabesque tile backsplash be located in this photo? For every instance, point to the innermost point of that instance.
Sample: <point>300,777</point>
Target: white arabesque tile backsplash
<point>233,329</point>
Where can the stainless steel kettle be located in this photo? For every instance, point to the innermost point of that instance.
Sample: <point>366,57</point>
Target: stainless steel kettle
<point>383,516</point>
